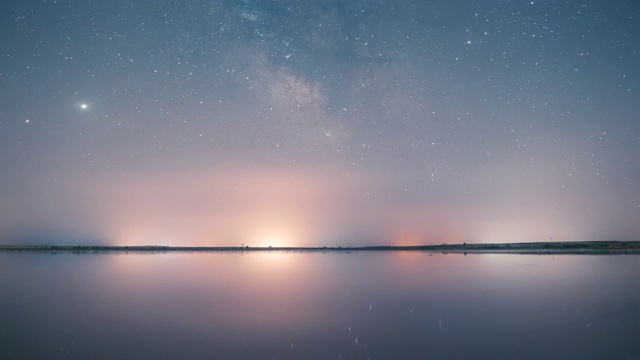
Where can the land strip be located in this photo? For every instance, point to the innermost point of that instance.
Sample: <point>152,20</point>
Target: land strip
<point>574,247</point>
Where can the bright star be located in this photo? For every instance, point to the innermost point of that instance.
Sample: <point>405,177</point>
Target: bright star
<point>81,106</point>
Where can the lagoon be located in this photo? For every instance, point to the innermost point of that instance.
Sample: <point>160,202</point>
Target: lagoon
<point>315,305</point>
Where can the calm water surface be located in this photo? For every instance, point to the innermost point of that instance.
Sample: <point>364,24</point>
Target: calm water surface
<point>367,305</point>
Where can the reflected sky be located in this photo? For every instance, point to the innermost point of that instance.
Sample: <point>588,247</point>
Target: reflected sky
<point>296,123</point>
<point>303,305</point>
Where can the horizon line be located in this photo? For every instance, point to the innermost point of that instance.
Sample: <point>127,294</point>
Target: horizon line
<point>602,246</point>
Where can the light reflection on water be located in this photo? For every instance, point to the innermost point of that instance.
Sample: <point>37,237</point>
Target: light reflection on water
<point>384,305</point>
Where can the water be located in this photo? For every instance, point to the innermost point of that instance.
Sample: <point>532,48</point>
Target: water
<point>366,305</point>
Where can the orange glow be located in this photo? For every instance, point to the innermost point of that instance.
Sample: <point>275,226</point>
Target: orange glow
<point>407,238</point>
<point>264,207</point>
<point>275,238</point>
<point>254,208</point>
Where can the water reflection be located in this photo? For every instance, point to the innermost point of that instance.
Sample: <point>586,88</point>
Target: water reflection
<point>314,305</point>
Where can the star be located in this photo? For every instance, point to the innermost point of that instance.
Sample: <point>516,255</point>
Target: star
<point>81,106</point>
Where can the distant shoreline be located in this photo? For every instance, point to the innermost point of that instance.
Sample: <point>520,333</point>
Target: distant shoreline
<point>576,247</point>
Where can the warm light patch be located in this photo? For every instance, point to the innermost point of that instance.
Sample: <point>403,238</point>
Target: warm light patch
<point>273,238</point>
<point>407,238</point>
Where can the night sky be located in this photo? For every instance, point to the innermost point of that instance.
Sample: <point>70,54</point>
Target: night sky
<point>318,122</point>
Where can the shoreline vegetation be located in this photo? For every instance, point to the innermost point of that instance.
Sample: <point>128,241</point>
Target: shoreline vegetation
<point>542,248</point>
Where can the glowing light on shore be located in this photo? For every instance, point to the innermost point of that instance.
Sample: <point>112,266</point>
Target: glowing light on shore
<point>274,238</point>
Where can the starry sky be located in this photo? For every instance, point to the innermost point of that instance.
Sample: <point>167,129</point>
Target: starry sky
<point>318,122</point>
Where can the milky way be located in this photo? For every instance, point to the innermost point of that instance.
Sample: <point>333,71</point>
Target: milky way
<point>318,122</point>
